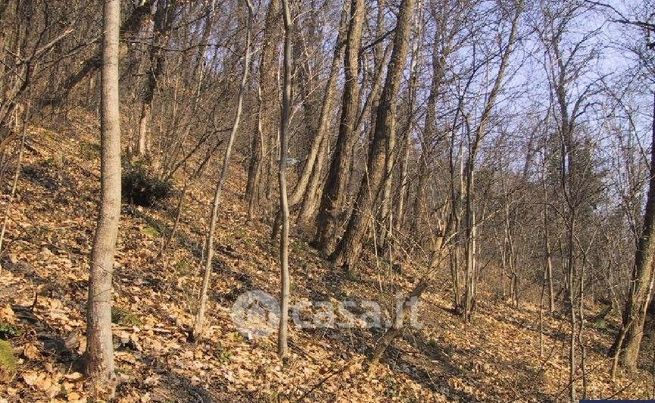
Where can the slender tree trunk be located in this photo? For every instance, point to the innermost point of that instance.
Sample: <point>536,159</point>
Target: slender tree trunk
<point>301,191</point>
<point>386,219</point>
<point>314,191</point>
<point>549,260</point>
<point>269,109</point>
<point>324,119</point>
<point>415,65</point>
<point>22,128</point>
<point>99,347</point>
<point>257,156</point>
<point>199,323</point>
<point>404,152</point>
<point>469,245</point>
<point>282,347</point>
<point>469,196</point>
<point>163,24</point>
<point>572,314</point>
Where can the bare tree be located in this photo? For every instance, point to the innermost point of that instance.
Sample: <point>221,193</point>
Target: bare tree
<point>334,189</point>
<point>164,17</point>
<point>199,323</point>
<point>475,138</point>
<point>99,347</point>
<point>349,248</point>
<point>262,141</point>
<point>282,347</point>
<point>628,340</point>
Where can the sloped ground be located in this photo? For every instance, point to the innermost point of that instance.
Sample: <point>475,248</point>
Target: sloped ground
<point>43,284</point>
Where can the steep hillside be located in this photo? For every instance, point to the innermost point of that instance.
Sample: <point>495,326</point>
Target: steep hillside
<point>43,284</point>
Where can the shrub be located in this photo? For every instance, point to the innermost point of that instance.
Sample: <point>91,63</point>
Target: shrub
<point>7,331</point>
<point>151,231</point>
<point>142,188</point>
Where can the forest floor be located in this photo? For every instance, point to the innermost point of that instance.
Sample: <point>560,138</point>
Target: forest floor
<point>43,286</point>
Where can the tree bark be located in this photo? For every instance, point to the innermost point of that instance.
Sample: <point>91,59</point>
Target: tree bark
<point>99,348</point>
<point>282,345</point>
<point>163,24</point>
<point>349,248</point>
<point>634,314</point>
<point>335,188</point>
<point>263,140</point>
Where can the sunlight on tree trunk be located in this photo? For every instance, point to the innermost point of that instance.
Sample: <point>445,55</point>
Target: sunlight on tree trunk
<point>282,344</point>
<point>99,347</point>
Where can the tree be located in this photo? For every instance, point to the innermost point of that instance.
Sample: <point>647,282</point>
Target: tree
<point>334,189</point>
<point>99,347</point>
<point>267,116</point>
<point>164,17</point>
<point>475,138</point>
<point>566,69</point>
<point>349,248</point>
<point>628,341</point>
<point>199,324</point>
<point>282,348</point>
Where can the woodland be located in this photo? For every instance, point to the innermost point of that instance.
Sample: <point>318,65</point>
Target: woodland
<point>327,200</point>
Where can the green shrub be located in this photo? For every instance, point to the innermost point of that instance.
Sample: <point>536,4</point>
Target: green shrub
<point>224,355</point>
<point>142,188</point>
<point>432,343</point>
<point>7,331</point>
<point>151,231</point>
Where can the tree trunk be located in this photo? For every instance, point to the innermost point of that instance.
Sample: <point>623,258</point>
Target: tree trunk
<point>349,248</point>
<point>256,158</point>
<point>324,119</point>
<point>403,188</point>
<point>430,140</point>
<point>314,191</point>
<point>269,109</point>
<point>469,245</point>
<point>302,189</point>
<point>199,323</point>
<point>549,260</point>
<point>634,314</point>
<point>163,24</point>
<point>480,132</point>
<point>99,348</point>
<point>282,347</point>
<point>335,188</point>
